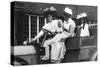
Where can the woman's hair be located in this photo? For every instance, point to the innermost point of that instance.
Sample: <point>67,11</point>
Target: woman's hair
<point>85,19</point>
<point>54,14</point>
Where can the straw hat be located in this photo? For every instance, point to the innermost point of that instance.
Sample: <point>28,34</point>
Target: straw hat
<point>68,10</point>
<point>82,15</point>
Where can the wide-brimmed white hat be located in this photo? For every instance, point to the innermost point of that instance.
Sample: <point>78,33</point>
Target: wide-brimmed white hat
<point>51,9</point>
<point>68,10</point>
<point>82,15</point>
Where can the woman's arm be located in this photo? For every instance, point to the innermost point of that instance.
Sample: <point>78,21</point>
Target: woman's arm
<point>80,27</point>
<point>71,30</point>
<point>38,36</point>
<point>41,33</point>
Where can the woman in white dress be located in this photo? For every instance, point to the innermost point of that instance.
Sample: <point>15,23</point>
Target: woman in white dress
<point>84,27</point>
<point>54,27</point>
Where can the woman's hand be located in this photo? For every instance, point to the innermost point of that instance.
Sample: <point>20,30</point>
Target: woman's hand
<point>33,40</point>
<point>27,41</point>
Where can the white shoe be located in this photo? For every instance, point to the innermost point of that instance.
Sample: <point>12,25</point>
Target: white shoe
<point>44,58</point>
<point>56,61</point>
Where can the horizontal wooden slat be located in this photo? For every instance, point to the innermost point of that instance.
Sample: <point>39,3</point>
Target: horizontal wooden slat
<point>23,50</point>
<point>79,42</point>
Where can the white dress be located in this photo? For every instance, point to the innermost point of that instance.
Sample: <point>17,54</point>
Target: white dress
<point>52,27</point>
<point>84,31</point>
<point>58,47</point>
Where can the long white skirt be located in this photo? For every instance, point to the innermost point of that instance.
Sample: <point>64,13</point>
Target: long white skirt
<point>57,47</point>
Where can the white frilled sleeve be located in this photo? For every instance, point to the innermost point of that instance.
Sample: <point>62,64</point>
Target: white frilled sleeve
<point>50,26</point>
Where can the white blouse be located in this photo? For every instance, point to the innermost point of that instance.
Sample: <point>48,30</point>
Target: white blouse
<point>85,30</point>
<point>70,25</point>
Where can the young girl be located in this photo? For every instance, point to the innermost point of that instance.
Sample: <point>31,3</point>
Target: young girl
<point>84,27</point>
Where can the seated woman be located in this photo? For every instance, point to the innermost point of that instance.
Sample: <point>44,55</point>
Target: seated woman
<point>84,27</point>
<point>51,27</point>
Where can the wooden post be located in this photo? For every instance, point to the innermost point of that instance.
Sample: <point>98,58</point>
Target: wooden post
<point>29,29</point>
<point>37,27</point>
